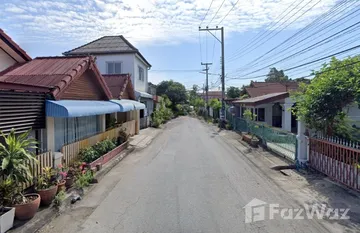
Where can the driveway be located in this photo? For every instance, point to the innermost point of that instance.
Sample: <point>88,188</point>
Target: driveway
<point>188,180</point>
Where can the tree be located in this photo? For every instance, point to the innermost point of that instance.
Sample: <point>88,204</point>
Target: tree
<point>193,93</point>
<point>275,75</point>
<point>175,91</point>
<point>320,104</point>
<point>233,92</point>
<point>215,104</point>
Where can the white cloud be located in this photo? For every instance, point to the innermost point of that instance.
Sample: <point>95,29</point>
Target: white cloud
<point>145,21</point>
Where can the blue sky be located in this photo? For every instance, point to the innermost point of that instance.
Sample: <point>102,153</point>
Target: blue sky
<point>166,32</point>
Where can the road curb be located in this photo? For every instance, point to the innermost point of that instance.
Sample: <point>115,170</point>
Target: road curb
<point>46,215</point>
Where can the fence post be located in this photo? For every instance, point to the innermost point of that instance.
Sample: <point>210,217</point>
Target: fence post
<point>301,156</point>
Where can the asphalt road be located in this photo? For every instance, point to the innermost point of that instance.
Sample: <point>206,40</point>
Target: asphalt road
<point>188,180</point>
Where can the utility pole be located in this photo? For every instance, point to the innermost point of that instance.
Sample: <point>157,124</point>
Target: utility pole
<point>207,85</point>
<point>222,116</point>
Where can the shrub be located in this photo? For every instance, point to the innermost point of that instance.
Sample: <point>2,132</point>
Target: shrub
<point>89,154</point>
<point>59,199</point>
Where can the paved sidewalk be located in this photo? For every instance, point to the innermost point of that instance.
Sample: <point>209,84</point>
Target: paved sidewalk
<point>144,138</point>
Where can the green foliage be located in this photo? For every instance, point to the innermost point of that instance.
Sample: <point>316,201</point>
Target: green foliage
<point>321,103</point>
<point>233,92</point>
<point>15,157</point>
<point>248,115</point>
<point>228,126</point>
<point>244,96</point>
<point>175,91</point>
<point>215,104</point>
<point>84,180</point>
<point>47,179</point>
<point>111,123</point>
<point>180,109</point>
<point>162,114</point>
<point>92,153</point>
<point>59,198</point>
<point>7,187</point>
<point>193,93</point>
<point>275,75</point>
<point>89,154</point>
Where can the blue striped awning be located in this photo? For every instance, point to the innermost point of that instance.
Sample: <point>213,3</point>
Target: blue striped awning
<point>128,105</point>
<point>79,108</point>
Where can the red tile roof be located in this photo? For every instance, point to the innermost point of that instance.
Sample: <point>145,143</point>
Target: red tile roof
<point>55,73</point>
<point>7,39</point>
<point>264,88</point>
<point>117,84</point>
<point>212,94</point>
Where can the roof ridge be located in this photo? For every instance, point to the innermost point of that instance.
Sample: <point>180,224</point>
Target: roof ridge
<point>63,57</point>
<point>69,51</point>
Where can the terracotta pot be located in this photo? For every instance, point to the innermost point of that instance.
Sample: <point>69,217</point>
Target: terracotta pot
<point>69,182</point>
<point>47,195</point>
<point>61,186</point>
<point>28,210</point>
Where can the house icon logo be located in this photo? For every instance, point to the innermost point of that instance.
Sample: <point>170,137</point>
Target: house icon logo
<point>254,211</point>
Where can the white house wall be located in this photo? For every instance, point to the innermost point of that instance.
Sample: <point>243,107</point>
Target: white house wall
<point>5,60</point>
<point>140,85</point>
<point>353,113</point>
<point>127,63</point>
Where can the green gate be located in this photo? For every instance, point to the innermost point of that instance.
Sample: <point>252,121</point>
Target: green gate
<point>281,142</point>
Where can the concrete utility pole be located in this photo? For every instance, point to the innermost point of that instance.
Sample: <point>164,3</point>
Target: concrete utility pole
<point>207,85</point>
<point>222,116</point>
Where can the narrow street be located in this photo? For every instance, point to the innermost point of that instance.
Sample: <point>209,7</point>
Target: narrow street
<point>188,180</point>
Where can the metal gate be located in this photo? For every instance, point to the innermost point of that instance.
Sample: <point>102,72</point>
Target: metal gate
<point>339,162</point>
<point>281,142</point>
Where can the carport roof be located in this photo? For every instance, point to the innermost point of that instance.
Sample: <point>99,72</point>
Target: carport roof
<point>263,99</point>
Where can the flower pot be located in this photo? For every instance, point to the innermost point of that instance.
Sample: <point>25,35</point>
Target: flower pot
<point>47,195</point>
<point>61,186</point>
<point>28,210</point>
<point>6,218</point>
<point>69,182</point>
<point>252,141</point>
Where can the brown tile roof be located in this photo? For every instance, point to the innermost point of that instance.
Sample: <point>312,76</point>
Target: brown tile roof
<point>107,45</point>
<point>212,94</point>
<point>263,88</point>
<point>118,83</point>
<point>12,44</point>
<point>54,73</point>
<point>268,98</point>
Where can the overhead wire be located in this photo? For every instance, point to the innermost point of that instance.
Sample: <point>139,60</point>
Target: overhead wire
<point>307,63</point>
<point>232,8</point>
<point>267,39</point>
<point>271,25</point>
<point>258,60</point>
<point>301,51</point>
<point>206,13</point>
<point>216,13</point>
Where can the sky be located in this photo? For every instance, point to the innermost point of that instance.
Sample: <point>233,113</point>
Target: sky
<point>166,33</point>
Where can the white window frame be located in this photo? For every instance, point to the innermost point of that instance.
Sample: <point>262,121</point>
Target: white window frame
<point>113,62</point>
<point>143,73</point>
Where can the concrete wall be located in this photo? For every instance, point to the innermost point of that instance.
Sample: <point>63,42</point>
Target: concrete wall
<point>5,60</point>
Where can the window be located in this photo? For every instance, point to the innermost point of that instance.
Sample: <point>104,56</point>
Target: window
<point>141,74</point>
<point>113,67</point>
<point>261,114</point>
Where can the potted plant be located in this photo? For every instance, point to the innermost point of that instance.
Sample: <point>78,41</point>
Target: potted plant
<point>7,212</point>
<point>122,136</point>
<point>249,137</point>
<point>60,177</point>
<point>15,158</point>
<point>46,186</point>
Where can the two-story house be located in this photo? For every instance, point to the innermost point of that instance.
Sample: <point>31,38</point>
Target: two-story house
<point>116,55</point>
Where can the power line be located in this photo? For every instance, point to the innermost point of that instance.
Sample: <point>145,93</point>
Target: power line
<point>258,60</point>
<point>301,51</point>
<point>175,70</point>
<point>257,36</point>
<point>307,63</point>
<point>228,12</point>
<point>267,39</point>
<point>216,13</point>
<point>206,13</point>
